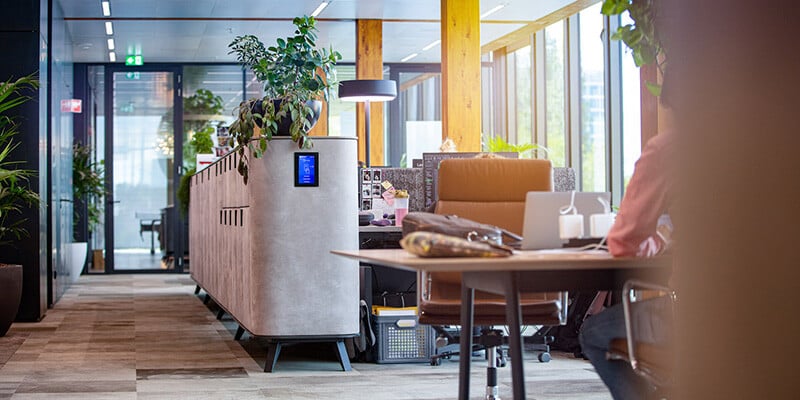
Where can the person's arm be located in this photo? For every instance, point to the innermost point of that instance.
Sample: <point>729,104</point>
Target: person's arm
<point>646,198</point>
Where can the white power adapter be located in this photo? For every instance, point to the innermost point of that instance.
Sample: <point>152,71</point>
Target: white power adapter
<point>570,226</point>
<point>600,224</point>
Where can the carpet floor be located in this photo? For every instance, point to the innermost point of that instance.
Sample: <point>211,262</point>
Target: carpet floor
<point>150,337</point>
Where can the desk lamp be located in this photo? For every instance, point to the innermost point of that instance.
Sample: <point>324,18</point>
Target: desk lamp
<point>367,90</point>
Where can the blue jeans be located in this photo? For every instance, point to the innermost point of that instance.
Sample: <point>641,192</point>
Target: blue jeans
<point>651,323</point>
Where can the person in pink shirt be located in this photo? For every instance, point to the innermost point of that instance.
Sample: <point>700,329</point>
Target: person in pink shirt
<point>640,229</point>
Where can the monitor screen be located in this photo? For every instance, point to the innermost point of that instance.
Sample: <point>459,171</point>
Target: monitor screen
<point>305,169</point>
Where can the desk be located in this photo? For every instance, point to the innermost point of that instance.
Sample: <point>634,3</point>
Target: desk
<point>525,271</point>
<point>385,285</point>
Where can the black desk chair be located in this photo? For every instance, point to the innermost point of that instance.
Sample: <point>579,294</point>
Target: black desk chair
<point>149,222</point>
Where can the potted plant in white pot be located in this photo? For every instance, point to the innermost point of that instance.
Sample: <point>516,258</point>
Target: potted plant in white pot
<point>14,196</point>
<point>87,190</point>
<point>296,75</point>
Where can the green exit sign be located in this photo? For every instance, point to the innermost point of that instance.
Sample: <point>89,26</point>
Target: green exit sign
<point>134,60</point>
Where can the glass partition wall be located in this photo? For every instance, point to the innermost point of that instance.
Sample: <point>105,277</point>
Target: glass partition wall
<point>133,129</point>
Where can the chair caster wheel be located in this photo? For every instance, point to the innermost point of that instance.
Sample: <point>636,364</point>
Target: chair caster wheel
<point>544,357</point>
<point>435,362</point>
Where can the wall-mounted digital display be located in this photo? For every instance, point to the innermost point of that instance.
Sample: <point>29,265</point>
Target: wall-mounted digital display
<point>306,167</point>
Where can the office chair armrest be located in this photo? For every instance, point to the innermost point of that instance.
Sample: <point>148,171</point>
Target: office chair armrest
<point>627,292</point>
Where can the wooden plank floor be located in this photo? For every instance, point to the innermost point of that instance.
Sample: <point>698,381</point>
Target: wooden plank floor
<point>150,337</point>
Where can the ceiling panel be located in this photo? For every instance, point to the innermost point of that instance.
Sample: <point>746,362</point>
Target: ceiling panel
<point>200,30</point>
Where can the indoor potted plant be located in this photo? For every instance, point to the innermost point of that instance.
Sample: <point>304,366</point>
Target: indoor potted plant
<point>14,196</point>
<point>641,36</point>
<point>295,73</point>
<point>87,190</point>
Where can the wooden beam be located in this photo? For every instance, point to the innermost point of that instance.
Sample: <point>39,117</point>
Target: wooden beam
<point>369,65</point>
<point>461,73</point>
<point>416,80</point>
<point>524,33</point>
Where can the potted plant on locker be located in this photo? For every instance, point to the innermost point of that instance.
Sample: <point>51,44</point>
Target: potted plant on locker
<point>296,75</point>
<point>14,196</point>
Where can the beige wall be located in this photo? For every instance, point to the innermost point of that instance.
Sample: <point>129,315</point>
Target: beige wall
<point>737,115</point>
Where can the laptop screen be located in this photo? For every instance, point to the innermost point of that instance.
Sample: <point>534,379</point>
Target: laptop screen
<point>542,209</point>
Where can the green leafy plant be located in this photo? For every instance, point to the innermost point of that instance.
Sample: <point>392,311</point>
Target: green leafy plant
<point>183,190</point>
<point>200,143</point>
<point>87,183</point>
<point>14,191</point>
<point>641,36</point>
<point>203,102</point>
<point>293,72</point>
<point>199,110</point>
<point>496,144</point>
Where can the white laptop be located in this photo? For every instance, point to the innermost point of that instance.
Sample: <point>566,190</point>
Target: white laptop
<point>540,226</point>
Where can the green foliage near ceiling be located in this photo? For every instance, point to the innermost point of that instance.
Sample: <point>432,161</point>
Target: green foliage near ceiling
<point>642,36</point>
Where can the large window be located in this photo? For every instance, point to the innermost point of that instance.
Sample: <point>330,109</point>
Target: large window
<point>522,94</point>
<point>555,93</point>
<point>576,92</point>
<point>631,111</point>
<point>592,100</point>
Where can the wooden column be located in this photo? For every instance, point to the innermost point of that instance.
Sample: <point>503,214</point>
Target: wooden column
<point>369,65</point>
<point>461,73</point>
<point>321,127</point>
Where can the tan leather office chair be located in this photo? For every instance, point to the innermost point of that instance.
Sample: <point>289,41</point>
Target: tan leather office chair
<point>653,362</point>
<point>491,191</point>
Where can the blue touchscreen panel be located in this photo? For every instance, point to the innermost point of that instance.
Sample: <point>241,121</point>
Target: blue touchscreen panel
<point>306,167</point>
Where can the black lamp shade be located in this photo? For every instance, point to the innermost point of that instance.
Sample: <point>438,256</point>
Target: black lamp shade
<point>361,90</point>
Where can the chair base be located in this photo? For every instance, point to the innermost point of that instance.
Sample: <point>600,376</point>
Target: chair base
<point>539,343</point>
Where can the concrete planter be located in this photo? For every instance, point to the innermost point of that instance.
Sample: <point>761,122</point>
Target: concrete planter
<point>10,294</point>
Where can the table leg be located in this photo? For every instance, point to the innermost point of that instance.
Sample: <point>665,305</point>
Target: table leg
<point>514,320</point>
<point>465,354</point>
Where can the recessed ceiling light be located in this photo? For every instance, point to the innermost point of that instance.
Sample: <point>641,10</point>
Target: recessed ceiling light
<point>408,57</point>
<point>109,28</point>
<point>111,44</point>
<point>106,8</point>
<point>431,45</point>
<point>112,56</point>
<point>320,7</point>
<point>492,11</point>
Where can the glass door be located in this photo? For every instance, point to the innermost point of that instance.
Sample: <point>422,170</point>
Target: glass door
<point>143,229</point>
